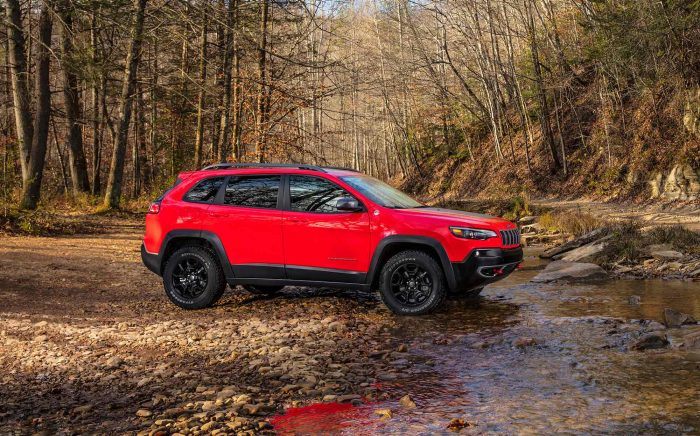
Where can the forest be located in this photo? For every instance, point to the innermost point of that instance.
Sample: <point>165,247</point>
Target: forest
<point>105,102</point>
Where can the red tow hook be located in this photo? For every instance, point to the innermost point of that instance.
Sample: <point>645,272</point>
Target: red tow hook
<point>498,271</point>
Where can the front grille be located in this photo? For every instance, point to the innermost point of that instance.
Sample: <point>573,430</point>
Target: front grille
<point>510,237</point>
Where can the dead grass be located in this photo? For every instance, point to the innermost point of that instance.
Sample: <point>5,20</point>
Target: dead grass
<point>45,223</point>
<point>571,223</point>
<point>630,243</point>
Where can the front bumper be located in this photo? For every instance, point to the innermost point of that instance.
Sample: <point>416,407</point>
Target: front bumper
<point>152,261</point>
<point>484,266</point>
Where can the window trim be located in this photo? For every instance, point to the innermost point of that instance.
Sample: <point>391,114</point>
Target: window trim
<point>220,199</point>
<point>287,203</point>
<point>194,185</point>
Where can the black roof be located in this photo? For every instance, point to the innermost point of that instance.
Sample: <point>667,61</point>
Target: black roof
<point>225,166</point>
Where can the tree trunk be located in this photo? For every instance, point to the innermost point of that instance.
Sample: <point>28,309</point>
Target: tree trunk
<point>225,117</point>
<point>116,171</point>
<point>199,136</point>
<point>97,118</point>
<point>76,154</point>
<point>20,90</point>
<point>32,182</point>
<point>541,92</point>
<point>260,137</point>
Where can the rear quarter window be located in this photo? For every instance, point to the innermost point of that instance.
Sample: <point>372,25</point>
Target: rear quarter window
<point>205,191</point>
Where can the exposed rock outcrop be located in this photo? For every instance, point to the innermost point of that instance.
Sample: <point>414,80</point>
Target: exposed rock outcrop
<point>681,183</point>
<point>561,270</point>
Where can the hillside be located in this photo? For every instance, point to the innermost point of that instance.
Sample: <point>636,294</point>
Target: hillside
<point>647,148</point>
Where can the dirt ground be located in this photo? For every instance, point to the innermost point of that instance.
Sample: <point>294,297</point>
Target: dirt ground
<point>90,343</point>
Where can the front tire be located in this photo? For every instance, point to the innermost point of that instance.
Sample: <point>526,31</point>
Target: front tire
<point>412,283</point>
<point>193,278</point>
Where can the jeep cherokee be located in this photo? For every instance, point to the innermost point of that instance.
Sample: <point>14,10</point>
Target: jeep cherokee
<point>266,226</point>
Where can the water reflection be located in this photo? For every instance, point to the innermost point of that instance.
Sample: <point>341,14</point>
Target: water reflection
<point>578,377</point>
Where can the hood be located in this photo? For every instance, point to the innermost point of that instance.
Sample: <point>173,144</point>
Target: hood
<point>459,217</point>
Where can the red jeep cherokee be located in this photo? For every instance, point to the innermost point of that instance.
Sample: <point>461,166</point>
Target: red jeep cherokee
<point>266,226</point>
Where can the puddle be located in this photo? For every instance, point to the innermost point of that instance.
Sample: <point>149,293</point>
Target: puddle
<point>578,378</point>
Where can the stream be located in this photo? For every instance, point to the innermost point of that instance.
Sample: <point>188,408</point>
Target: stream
<point>533,358</point>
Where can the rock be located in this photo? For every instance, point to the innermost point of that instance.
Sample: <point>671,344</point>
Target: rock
<point>667,255</point>
<point>578,242</point>
<point>570,271</point>
<point>208,406</point>
<point>144,413</point>
<point>586,252</point>
<point>40,338</point>
<point>407,402</point>
<point>531,229</point>
<point>529,219</point>
<point>209,426</point>
<point>114,362</point>
<point>524,342</point>
<point>682,183</point>
<point>457,424</point>
<point>329,398</point>
<point>383,413</point>
<point>347,398</point>
<point>82,409</point>
<point>691,341</point>
<point>675,319</point>
<point>651,341</point>
<point>402,348</point>
<point>634,300</point>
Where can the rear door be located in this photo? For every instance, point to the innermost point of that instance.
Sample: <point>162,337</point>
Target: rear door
<point>322,243</point>
<point>248,221</point>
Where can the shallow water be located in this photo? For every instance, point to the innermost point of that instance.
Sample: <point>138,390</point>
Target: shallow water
<point>580,376</point>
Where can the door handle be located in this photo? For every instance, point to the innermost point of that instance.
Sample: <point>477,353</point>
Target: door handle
<point>216,214</point>
<point>297,220</point>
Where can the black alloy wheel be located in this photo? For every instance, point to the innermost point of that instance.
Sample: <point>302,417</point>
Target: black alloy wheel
<point>411,284</point>
<point>189,278</point>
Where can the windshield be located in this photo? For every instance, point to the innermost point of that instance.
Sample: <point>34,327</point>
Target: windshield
<point>381,193</point>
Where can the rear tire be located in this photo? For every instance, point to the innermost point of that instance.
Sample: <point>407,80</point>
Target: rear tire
<point>193,278</point>
<point>412,283</point>
<point>262,290</point>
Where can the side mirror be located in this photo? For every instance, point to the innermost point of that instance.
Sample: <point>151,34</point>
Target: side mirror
<point>348,204</point>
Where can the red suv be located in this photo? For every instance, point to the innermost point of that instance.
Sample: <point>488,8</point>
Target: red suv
<point>266,226</point>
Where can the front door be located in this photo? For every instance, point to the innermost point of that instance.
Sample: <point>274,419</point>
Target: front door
<point>322,243</point>
<point>250,226</point>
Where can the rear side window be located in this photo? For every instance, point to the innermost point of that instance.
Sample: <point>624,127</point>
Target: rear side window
<point>204,191</point>
<point>312,194</point>
<point>253,191</point>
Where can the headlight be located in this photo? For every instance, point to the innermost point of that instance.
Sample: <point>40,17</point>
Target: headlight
<point>469,233</point>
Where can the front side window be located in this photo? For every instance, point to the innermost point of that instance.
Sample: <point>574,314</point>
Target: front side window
<point>204,191</point>
<point>252,191</point>
<point>381,193</point>
<point>312,194</point>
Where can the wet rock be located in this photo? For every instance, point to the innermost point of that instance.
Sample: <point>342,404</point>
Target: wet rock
<point>675,319</point>
<point>457,424</point>
<point>347,398</point>
<point>634,300</point>
<point>407,402</point>
<point>650,341</point>
<point>383,413</point>
<point>561,270</point>
<point>524,342</point>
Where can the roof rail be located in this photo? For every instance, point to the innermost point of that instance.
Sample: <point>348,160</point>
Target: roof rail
<point>223,166</point>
